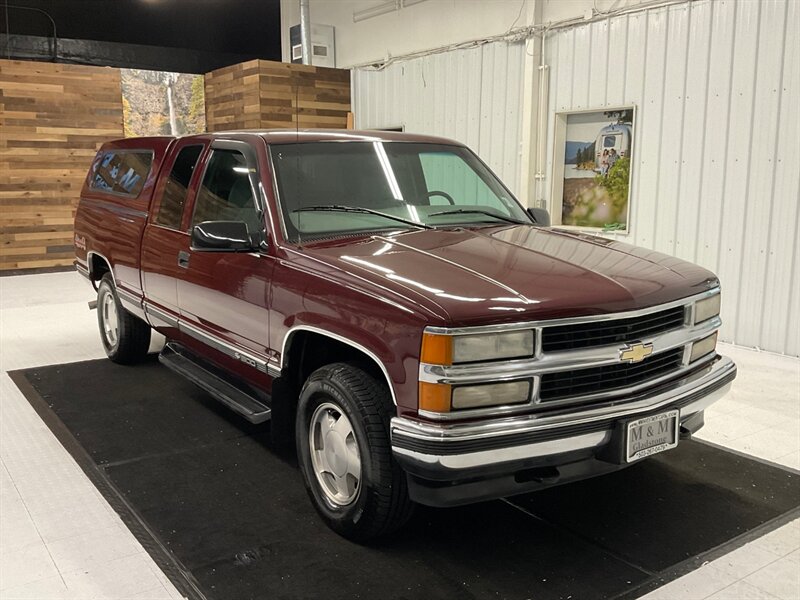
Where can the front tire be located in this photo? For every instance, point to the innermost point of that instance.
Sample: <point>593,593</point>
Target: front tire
<point>342,433</point>
<point>125,337</point>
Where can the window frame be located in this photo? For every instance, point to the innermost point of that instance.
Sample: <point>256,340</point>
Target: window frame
<point>254,176</point>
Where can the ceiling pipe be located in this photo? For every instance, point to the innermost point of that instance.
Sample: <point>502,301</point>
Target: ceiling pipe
<point>38,10</point>
<point>305,31</point>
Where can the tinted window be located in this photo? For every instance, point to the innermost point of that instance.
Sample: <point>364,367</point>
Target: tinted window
<point>121,172</point>
<point>436,184</point>
<point>226,194</point>
<point>447,174</point>
<point>177,186</point>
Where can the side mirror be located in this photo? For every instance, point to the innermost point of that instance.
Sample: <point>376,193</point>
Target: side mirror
<point>221,236</point>
<point>540,216</point>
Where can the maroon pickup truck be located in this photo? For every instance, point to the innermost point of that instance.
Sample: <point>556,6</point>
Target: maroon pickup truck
<point>395,312</point>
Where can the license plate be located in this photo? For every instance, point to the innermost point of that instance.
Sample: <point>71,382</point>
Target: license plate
<point>651,435</point>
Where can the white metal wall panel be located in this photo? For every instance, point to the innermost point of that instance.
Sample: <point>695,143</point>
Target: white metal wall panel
<point>471,95</point>
<point>781,317</point>
<point>695,115</point>
<point>716,180</point>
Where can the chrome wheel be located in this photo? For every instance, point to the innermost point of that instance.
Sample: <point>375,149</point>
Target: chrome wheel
<point>334,454</point>
<point>110,320</point>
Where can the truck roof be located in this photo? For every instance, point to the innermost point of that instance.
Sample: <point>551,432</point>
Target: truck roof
<point>283,136</point>
<point>290,136</point>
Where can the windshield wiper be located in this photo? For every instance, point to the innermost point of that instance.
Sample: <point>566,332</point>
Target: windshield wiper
<point>476,211</point>
<point>359,209</point>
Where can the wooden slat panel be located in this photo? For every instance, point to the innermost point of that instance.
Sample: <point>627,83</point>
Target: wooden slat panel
<point>262,94</point>
<point>53,118</point>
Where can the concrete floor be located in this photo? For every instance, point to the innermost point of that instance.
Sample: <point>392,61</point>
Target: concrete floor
<point>60,539</point>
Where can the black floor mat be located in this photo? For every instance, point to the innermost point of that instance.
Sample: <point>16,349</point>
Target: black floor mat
<point>228,518</point>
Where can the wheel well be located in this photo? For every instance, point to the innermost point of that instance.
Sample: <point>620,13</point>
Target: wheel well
<point>308,351</point>
<point>98,267</point>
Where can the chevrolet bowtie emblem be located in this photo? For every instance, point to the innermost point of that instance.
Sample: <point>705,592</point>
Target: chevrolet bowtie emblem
<point>634,353</point>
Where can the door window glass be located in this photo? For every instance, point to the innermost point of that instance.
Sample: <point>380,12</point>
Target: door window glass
<point>226,193</point>
<point>177,187</point>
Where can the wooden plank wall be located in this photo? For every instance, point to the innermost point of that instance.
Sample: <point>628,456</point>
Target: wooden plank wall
<point>53,118</point>
<point>261,94</point>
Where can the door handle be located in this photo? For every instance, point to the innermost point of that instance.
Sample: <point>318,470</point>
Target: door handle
<point>183,259</point>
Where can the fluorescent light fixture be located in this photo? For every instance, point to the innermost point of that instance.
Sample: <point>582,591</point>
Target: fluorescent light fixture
<point>376,11</point>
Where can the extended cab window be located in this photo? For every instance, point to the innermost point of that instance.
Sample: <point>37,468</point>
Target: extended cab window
<point>121,171</point>
<point>226,193</point>
<point>177,187</point>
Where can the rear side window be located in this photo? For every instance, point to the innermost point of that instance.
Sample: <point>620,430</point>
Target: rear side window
<point>177,187</point>
<point>121,171</point>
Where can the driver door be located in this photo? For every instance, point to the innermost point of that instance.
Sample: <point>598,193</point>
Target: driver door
<point>223,295</point>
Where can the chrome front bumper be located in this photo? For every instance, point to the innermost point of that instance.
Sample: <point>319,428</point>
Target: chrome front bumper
<point>449,452</point>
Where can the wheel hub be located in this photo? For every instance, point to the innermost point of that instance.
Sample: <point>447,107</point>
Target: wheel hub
<point>334,454</point>
<point>110,320</point>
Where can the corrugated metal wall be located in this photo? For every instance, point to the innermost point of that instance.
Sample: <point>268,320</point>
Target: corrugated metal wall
<point>471,95</point>
<point>716,179</point>
<point>716,172</point>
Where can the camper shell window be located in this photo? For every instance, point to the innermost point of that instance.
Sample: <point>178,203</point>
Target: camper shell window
<point>121,172</point>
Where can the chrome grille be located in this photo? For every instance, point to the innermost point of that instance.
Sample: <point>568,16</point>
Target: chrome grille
<point>618,331</point>
<point>583,360</point>
<point>580,382</point>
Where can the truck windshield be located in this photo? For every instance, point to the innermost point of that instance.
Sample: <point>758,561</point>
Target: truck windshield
<point>322,187</point>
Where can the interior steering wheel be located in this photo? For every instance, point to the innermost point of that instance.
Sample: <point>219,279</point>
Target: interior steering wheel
<point>444,195</point>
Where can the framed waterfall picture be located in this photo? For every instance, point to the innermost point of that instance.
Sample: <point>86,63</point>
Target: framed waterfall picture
<point>592,169</point>
<point>162,103</point>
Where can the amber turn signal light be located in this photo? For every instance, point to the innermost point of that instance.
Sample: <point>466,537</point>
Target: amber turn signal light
<point>434,397</point>
<point>437,349</point>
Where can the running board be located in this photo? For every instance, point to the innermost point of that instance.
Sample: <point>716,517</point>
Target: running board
<point>230,395</point>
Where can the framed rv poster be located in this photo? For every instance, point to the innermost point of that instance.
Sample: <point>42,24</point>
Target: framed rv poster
<point>592,168</point>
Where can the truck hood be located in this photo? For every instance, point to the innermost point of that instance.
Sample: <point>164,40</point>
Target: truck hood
<point>513,273</point>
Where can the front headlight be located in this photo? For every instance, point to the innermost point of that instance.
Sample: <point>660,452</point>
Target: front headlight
<point>444,350</point>
<point>457,349</point>
<point>445,398</point>
<point>491,394</point>
<point>494,346</point>
<point>703,347</point>
<point>707,308</point>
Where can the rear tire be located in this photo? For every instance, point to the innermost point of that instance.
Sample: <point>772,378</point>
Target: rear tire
<point>342,433</point>
<point>125,337</point>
